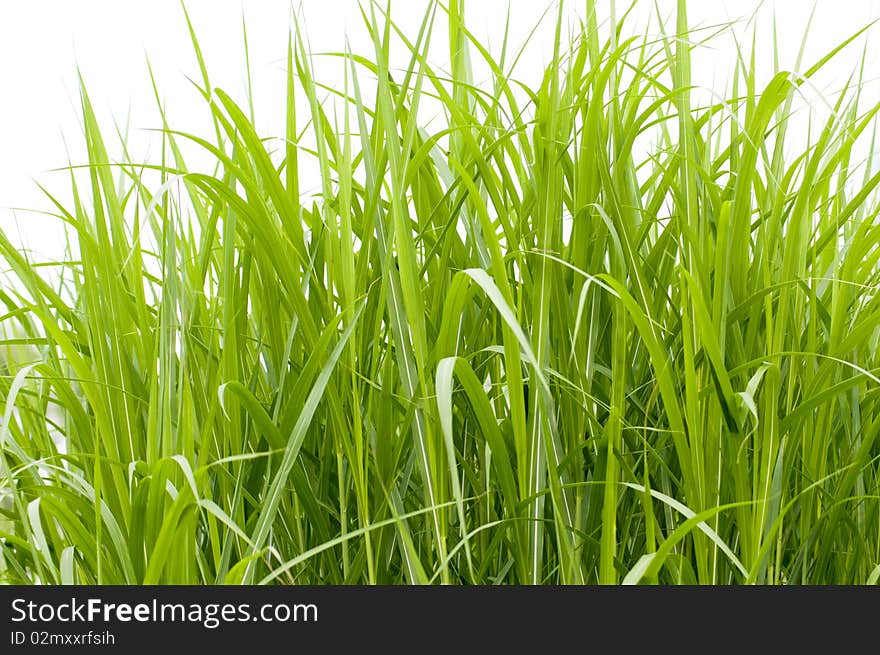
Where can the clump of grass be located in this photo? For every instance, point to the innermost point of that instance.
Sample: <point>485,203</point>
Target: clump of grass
<point>590,331</point>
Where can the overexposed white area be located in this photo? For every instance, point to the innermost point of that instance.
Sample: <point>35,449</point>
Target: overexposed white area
<point>44,43</point>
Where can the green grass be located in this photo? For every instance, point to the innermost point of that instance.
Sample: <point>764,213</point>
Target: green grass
<point>591,330</point>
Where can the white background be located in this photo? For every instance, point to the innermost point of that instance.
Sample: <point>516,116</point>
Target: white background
<point>42,42</point>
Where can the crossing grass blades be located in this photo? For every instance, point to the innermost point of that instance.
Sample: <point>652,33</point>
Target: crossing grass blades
<point>597,329</point>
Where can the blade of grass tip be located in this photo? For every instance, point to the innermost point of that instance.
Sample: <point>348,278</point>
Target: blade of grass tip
<point>203,69</point>
<point>247,69</point>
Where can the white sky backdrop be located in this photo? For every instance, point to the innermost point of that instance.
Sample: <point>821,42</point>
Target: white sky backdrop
<point>43,41</point>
